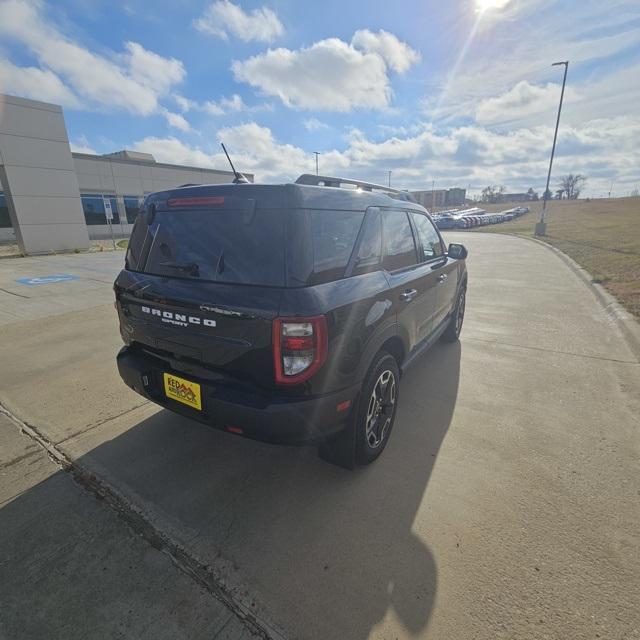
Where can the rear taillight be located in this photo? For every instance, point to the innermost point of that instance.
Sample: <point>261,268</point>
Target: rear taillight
<point>299,348</point>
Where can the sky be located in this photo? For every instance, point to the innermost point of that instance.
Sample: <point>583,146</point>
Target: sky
<point>454,93</point>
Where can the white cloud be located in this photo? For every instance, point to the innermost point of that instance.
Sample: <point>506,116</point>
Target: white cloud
<point>331,74</point>
<point>398,55</point>
<point>460,156</point>
<point>176,120</point>
<point>521,101</point>
<point>39,84</point>
<point>222,18</point>
<point>133,81</point>
<point>224,106</point>
<point>313,124</point>
<point>211,107</point>
<point>490,60</point>
<point>82,146</point>
<point>174,151</point>
<point>153,70</point>
<point>184,104</point>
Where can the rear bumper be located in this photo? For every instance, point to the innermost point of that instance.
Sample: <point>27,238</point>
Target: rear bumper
<point>267,418</point>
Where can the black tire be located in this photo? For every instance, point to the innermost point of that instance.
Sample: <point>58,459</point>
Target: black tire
<point>372,431</point>
<point>452,332</point>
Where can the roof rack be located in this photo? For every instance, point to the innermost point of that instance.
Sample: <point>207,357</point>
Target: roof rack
<point>331,181</point>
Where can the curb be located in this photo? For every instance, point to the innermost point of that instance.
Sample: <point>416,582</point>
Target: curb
<point>629,326</point>
<point>140,523</point>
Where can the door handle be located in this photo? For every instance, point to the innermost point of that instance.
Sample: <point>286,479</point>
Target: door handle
<point>408,295</point>
<point>442,277</point>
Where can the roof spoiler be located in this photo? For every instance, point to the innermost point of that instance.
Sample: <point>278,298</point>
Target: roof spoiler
<point>331,181</point>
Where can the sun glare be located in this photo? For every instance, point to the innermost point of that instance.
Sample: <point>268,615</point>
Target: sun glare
<point>485,5</point>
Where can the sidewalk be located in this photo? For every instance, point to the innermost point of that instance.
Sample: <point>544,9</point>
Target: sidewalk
<point>70,568</point>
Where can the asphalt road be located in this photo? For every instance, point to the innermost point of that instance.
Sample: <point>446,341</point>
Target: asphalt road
<point>506,504</point>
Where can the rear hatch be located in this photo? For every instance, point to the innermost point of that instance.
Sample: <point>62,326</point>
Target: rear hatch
<point>203,282</point>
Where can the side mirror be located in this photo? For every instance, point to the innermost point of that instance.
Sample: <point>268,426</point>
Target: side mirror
<point>457,251</point>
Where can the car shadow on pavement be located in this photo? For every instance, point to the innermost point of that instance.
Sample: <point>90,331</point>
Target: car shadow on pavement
<point>317,550</point>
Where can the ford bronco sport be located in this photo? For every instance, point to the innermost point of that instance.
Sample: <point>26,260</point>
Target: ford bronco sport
<point>286,312</point>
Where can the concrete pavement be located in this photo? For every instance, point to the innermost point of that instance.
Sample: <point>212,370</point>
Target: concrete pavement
<point>505,505</point>
<point>26,294</point>
<point>71,568</point>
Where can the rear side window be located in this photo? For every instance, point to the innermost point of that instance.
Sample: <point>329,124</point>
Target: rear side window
<point>370,248</point>
<point>399,247</point>
<point>333,236</point>
<point>428,236</point>
<point>221,245</point>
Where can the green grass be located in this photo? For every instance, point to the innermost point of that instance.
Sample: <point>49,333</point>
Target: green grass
<point>603,236</point>
<point>123,244</point>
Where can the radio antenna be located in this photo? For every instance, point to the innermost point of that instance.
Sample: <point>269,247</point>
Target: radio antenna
<point>239,178</point>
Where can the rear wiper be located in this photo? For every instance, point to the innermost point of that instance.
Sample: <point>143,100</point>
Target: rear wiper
<point>190,267</point>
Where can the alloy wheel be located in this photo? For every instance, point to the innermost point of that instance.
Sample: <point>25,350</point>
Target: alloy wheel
<point>460,312</point>
<point>380,409</point>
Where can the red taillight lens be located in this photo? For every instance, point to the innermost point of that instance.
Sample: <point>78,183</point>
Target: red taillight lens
<point>297,344</point>
<point>299,348</point>
<point>206,201</point>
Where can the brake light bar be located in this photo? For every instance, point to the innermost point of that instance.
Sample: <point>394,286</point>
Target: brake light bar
<point>299,348</point>
<point>202,201</point>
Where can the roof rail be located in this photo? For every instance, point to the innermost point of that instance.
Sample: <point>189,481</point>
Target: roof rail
<point>331,181</point>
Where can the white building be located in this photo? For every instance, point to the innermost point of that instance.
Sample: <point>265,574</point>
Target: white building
<point>54,200</point>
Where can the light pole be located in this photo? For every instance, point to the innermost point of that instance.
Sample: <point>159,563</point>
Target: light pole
<point>389,172</point>
<point>541,227</point>
<point>317,154</point>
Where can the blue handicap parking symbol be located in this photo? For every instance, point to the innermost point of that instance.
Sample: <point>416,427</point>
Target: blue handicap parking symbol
<point>57,277</point>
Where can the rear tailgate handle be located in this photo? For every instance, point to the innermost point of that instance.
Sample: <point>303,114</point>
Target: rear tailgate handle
<point>408,295</point>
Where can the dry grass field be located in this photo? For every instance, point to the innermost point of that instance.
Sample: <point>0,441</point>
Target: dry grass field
<point>602,235</point>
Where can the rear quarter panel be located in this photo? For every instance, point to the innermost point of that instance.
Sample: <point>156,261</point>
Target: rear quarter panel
<point>360,316</point>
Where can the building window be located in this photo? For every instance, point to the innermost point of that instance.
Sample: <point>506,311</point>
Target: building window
<point>93,206</point>
<point>5,219</point>
<point>131,207</point>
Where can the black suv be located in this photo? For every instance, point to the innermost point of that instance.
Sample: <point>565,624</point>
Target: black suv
<point>286,312</point>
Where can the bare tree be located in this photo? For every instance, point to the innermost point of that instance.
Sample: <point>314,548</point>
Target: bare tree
<point>492,193</point>
<point>572,184</point>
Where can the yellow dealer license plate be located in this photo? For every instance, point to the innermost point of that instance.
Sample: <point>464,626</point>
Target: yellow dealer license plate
<point>182,390</point>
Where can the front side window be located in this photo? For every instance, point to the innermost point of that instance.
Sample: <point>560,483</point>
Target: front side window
<point>428,236</point>
<point>399,247</point>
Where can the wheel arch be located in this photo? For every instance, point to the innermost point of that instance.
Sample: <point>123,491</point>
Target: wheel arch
<point>388,340</point>
<point>395,347</point>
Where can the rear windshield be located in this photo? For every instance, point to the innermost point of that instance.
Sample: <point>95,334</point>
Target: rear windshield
<point>228,245</point>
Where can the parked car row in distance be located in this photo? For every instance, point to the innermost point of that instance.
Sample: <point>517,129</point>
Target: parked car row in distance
<point>475,217</point>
